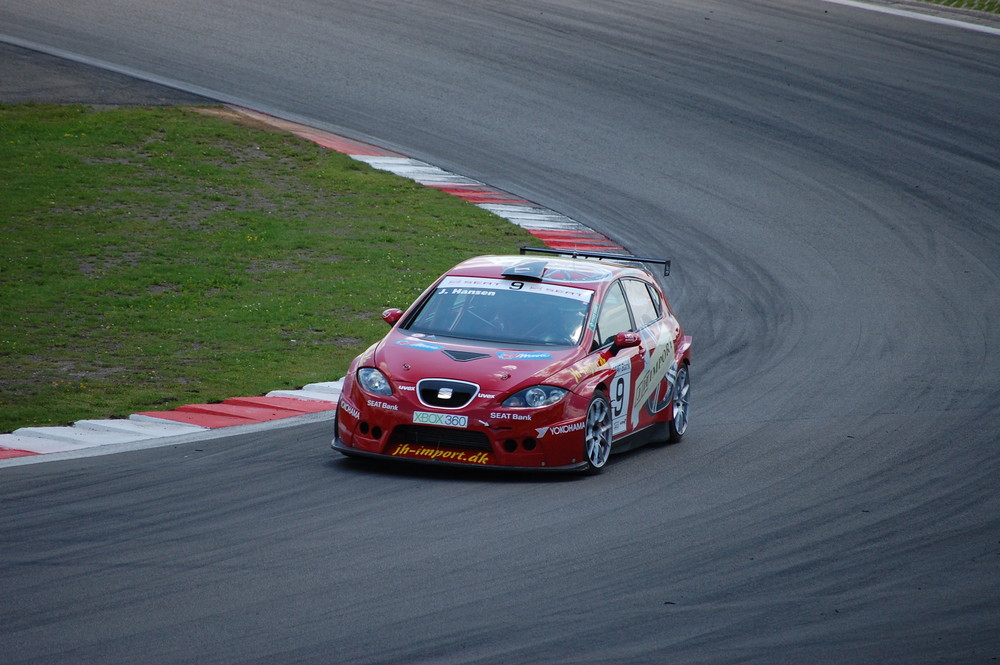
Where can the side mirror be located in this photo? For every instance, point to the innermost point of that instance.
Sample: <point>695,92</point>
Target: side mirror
<point>391,316</point>
<point>626,339</point>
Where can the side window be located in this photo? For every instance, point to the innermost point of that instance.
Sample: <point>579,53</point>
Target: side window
<point>644,309</point>
<point>614,316</point>
<point>657,300</point>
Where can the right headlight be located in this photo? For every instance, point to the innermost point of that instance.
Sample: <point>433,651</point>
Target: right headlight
<point>374,381</point>
<point>535,396</point>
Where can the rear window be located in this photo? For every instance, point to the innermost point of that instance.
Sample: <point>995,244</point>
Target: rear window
<point>503,311</point>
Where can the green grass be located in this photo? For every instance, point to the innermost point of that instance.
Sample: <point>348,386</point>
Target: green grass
<point>156,257</point>
<point>980,5</point>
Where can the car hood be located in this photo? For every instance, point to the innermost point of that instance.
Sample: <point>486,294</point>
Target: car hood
<point>408,359</point>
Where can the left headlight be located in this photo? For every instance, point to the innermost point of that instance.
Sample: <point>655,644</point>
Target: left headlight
<point>535,397</point>
<point>374,381</point>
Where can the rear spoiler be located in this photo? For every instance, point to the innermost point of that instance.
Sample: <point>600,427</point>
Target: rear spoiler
<point>574,253</point>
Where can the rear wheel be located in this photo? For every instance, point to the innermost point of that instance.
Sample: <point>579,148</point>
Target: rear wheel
<point>682,393</point>
<point>597,432</point>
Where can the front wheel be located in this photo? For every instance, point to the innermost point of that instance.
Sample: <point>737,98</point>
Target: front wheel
<point>597,432</point>
<point>682,393</point>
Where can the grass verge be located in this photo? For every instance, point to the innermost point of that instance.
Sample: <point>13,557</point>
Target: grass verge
<point>156,257</point>
<point>992,6</point>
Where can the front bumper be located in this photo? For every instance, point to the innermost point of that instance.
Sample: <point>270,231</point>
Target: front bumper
<point>437,456</point>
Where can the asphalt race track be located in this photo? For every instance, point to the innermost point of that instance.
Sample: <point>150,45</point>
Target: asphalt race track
<point>827,182</point>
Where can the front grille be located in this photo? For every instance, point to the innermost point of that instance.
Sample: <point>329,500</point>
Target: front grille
<point>421,435</point>
<point>446,393</point>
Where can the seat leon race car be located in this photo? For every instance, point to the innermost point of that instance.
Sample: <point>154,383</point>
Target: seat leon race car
<point>529,362</point>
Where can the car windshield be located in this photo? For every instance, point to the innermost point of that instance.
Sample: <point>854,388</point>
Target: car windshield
<point>504,311</point>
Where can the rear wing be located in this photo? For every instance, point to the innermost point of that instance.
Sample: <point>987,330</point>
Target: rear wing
<point>574,253</point>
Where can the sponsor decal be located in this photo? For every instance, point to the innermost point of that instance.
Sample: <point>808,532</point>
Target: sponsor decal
<point>487,396</point>
<point>418,344</point>
<point>350,409</point>
<point>468,292</point>
<point>409,389</point>
<point>510,416</point>
<point>621,385</point>
<point>428,453</point>
<point>658,360</point>
<point>378,404</point>
<point>561,429</point>
<point>585,369</point>
<point>489,287</point>
<point>440,419</point>
<point>523,355</point>
<point>660,398</point>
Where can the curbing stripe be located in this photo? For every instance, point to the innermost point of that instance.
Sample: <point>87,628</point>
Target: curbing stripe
<point>11,453</point>
<point>44,440</point>
<point>141,430</point>
<point>38,445</point>
<point>205,420</point>
<point>240,411</point>
<point>288,404</point>
<point>328,388</point>
<point>76,436</point>
<point>305,395</point>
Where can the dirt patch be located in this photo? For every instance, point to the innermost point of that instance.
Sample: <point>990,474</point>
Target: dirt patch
<point>234,116</point>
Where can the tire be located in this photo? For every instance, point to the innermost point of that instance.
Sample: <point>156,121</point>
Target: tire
<point>597,433</point>
<point>681,404</point>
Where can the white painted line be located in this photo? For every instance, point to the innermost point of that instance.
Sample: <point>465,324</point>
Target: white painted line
<point>414,169</point>
<point>75,436</point>
<point>325,391</point>
<point>306,395</point>
<point>381,162</point>
<point>90,433</point>
<point>326,386</point>
<point>140,429</point>
<point>35,444</point>
<point>439,179</point>
<point>531,216</point>
<point>55,451</point>
<point>929,18</point>
<point>141,418</point>
<point>529,221</point>
<point>525,211</point>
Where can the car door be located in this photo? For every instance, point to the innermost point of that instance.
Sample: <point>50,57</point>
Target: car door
<point>652,320</point>
<point>616,316</point>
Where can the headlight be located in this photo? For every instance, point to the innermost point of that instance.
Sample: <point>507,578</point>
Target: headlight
<point>535,397</point>
<point>374,381</point>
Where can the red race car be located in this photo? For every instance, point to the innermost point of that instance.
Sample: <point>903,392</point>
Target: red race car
<point>526,362</point>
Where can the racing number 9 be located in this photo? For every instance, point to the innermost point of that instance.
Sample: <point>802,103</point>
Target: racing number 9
<point>620,388</point>
<point>618,395</point>
<point>516,286</point>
